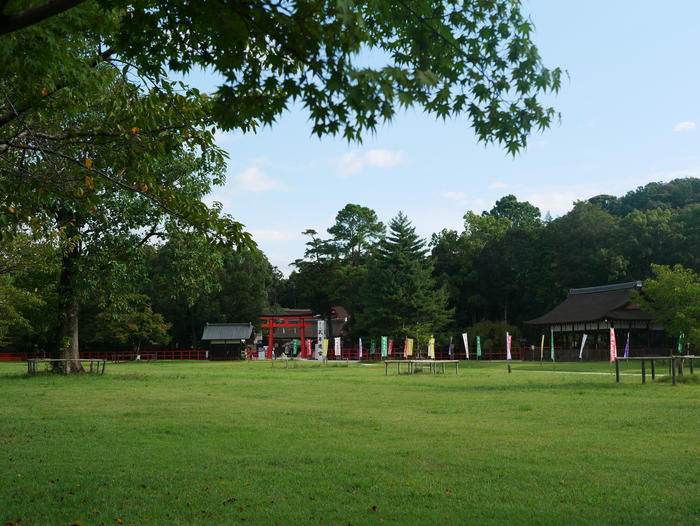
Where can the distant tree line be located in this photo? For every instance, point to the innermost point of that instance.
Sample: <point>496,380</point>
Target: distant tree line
<point>505,266</point>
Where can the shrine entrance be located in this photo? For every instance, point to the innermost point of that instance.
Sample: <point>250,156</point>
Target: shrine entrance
<point>287,321</point>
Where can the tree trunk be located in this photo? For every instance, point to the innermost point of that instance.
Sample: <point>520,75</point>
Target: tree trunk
<point>193,332</point>
<point>68,308</point>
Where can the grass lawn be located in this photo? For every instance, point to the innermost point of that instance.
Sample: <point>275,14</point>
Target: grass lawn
<point>223,443</point>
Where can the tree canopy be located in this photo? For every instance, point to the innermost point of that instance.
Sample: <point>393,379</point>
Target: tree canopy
<point>672,295</point>
<point>451,58</point>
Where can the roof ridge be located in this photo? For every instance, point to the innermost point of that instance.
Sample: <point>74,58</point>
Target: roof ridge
<point>606,288</point>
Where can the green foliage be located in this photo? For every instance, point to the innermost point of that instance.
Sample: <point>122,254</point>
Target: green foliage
<point>135,327</point>
<point>473,58</point>
<point>672,295</point>
<point>521,214</point>
<point>26,273</point>
<point>492,333</point>
<point>13,301</point>
<point>399,291</point>
<point>355,230</point>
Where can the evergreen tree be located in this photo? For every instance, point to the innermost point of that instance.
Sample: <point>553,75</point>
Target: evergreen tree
<point>400,291</point>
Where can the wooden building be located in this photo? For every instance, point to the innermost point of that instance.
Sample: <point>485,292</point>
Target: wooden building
<point>227,341</point>
<point>593,311</point>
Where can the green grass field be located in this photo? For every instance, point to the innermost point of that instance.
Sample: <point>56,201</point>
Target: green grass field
<point>223,443</point>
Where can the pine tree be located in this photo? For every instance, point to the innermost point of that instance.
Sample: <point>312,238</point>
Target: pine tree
<point>400,292</point>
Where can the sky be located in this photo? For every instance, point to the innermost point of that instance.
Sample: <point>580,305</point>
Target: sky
<point>629,116</point>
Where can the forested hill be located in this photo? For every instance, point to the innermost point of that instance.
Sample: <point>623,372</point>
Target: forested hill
<point>678,193</point>
<point>515,273</point>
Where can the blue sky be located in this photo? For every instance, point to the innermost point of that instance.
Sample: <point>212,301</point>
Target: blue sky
<point>629,112</point>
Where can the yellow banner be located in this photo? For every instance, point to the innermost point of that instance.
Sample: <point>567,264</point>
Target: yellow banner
<point>409,349</point>
<point>324,347</point>
<point>431,348</point>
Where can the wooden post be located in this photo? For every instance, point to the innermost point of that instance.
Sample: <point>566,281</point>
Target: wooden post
<point>691,366</point>
<point>270,340</point>
<point>644,372</point>
<point>653,369</point>
<point>617,371</point>
<point>673,370</point>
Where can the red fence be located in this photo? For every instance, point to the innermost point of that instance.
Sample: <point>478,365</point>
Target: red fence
<point>188,354</point>
<point>13,356</point>
<point>117,356</point>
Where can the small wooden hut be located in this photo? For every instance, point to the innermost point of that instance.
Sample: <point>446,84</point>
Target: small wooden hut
<point>227,341</point>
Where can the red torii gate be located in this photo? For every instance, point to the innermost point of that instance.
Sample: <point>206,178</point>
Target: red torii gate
<point>292,321</point>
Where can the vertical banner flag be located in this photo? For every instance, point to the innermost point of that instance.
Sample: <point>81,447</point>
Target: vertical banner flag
<point>478,347</point>
<point>359,349</point>
<point>385,346</point>
<point>449,349</point>
<point>294,347</point>
<point>627,346</point>
<point>324,347</point>
<point>337,346</point>
<point>391,346</point>
<point>308,348</point>
<point>613,346</point>
<point>465,338</point>
<point>542,348</point>
<point>409,349</point>
<point>551,344</point>
<point>320,336</point>
<point>372,347</point>
<point>431,348</point>
<point>680,342</point>
<point>583,344</point>
<point>509,340</point>
<point>405,348</point>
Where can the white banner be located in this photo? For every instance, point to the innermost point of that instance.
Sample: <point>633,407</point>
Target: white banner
<point>359,347</point>
<point>337,346</point>
<point>583,344</point>
<point>465,337</point>
<point>509,339</point>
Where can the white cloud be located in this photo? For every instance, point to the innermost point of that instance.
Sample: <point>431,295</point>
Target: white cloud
<point>556,202</point>
<point>383,158</point>
<point>275,235</point>
<point>224,139</point>
<point>685,126</point>
<point>456,196</point>
<point>253,179</point>
<point>353,163</point>
<point>497,185</point>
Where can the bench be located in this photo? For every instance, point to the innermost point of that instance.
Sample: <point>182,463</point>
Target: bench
<point>411,365</point>
<point>97,365</point>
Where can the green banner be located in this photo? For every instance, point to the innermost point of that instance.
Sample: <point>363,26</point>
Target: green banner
<point>680,342</point>
<point>372,347</point>
<point>551,343</point>
<point>478,346</point>
<point>385,346</point>
<point>295,344</point>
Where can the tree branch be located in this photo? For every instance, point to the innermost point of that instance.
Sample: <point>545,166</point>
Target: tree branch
<point>34,15</point>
